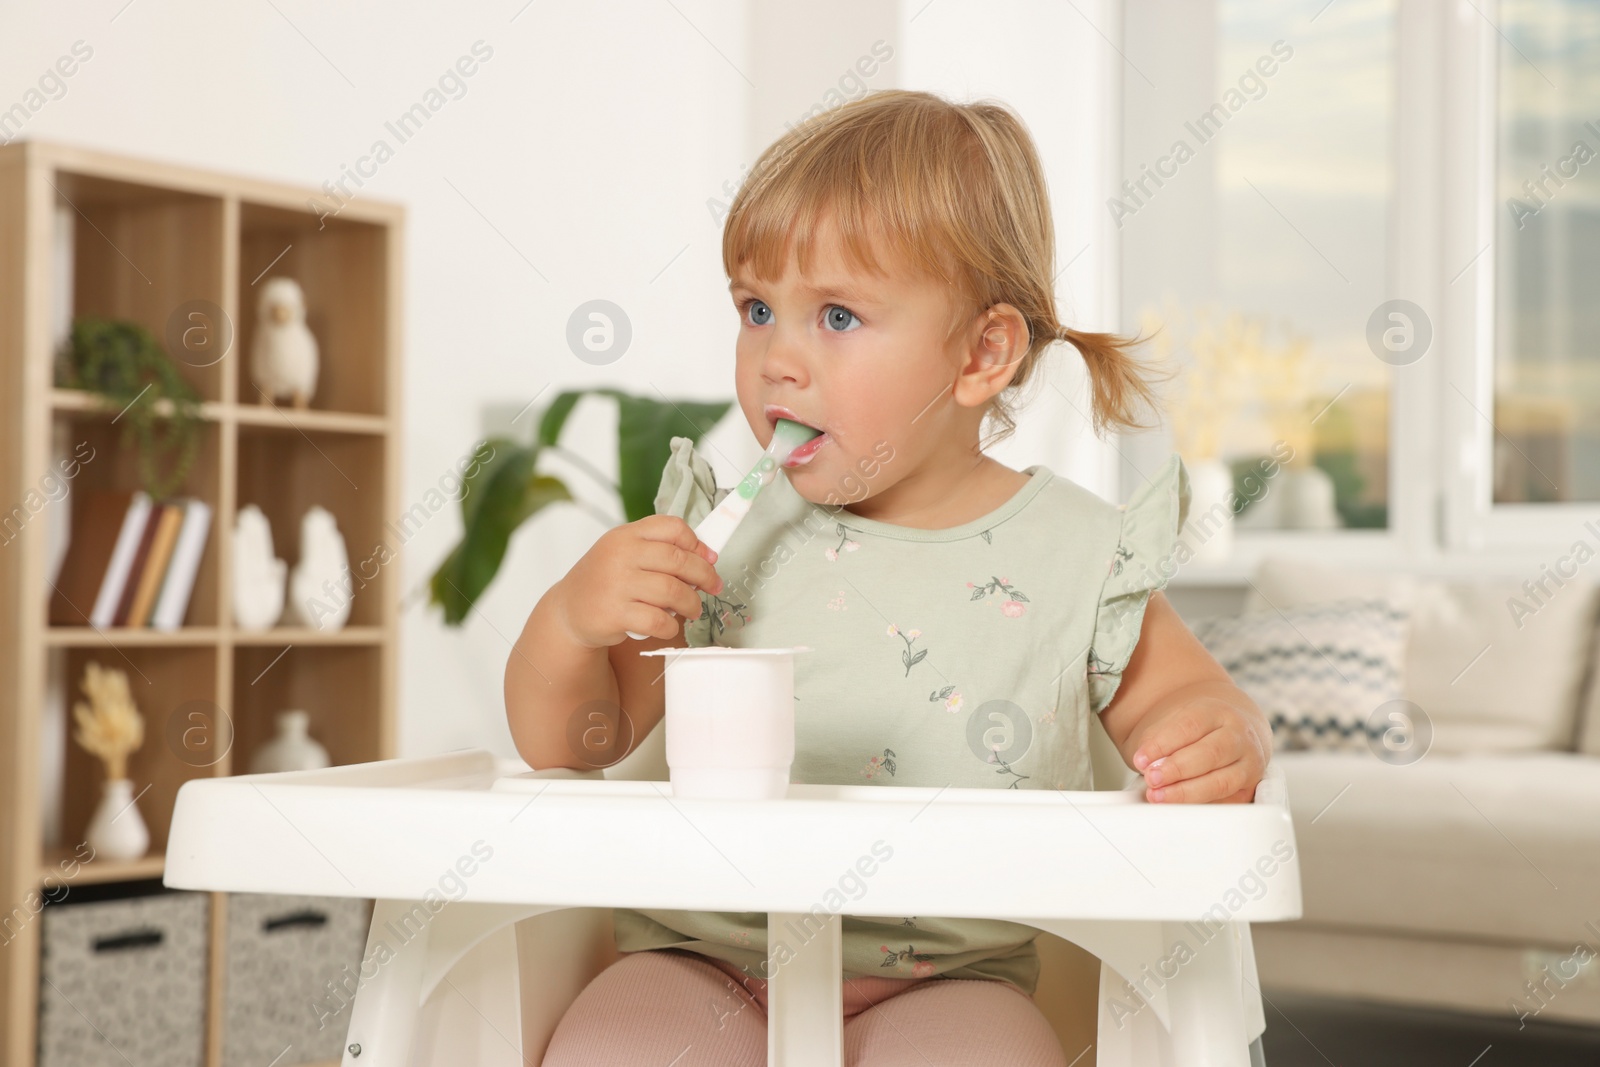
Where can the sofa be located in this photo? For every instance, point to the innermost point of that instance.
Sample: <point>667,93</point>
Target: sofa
<point>1465,876</point>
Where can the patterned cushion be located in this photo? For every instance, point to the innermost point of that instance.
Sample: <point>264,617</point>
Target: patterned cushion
<point>1318,672</point>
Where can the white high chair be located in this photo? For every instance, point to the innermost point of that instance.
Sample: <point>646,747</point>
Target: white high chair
<point>1128,881</point>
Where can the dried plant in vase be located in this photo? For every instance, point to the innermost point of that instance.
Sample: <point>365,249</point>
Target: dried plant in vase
<point>1235,382</point>
<point>1212,394</point>
<point>1235,393</point>
<point>110,728</point>
<point>1284,384</point>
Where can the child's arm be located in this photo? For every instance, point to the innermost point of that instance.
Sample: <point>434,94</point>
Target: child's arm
<point>1177,717</point>
<point>573,666</point>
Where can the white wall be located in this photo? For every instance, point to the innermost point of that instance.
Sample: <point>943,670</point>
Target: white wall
<point>577,165</point>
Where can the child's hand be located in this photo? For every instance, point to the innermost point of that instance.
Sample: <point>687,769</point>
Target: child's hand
<point>1178,718</point>
<point>1200,750</point>
<point>632,577</point>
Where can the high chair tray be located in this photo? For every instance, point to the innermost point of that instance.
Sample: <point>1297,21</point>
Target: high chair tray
<point>399,829</point>
<point>1124,879</point>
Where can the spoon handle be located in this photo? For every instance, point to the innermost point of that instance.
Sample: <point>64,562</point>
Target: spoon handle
<point>715,529</point>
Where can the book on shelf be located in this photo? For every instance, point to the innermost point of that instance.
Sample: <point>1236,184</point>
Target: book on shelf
<point>155,563</point>
<point>135,560</point>
<point>141,553</point>
<point>176,588</point>
<point>107,525</point>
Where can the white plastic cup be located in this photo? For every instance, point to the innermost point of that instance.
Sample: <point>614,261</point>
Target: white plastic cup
<point>729,721</point>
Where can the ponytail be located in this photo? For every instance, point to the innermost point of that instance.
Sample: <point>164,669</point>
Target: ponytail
<point>1119,384</point>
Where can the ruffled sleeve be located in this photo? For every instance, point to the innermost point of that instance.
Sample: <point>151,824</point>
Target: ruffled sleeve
<point>1141,563</point>
<point>689,490</point>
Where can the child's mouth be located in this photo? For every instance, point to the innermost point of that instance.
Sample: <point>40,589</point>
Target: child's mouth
<point>803,454</point>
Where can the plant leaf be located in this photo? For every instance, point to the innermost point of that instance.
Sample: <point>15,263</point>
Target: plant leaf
<point>555,416</point>
<point>508,492</point>
<point>444,589</point>
<point>488,458</point>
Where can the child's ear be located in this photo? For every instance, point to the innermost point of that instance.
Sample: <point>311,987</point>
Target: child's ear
<point>995,347</point>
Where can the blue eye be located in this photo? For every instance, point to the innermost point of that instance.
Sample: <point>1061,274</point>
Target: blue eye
<point>757,306</point>
<point>833,318</point>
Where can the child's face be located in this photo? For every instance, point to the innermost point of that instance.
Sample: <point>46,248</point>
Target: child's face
<point>866,359</point>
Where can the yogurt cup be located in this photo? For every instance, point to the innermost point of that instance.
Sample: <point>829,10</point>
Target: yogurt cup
<point>729,721</point>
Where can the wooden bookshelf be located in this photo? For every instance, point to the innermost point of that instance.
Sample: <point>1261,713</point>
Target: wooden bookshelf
<point>149,238</point>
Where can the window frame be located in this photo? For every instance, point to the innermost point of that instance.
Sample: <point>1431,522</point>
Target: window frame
<point>1473,522</point>
<point>1441,519</point>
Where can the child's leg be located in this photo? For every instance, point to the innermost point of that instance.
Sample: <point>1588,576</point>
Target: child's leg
<point>660,1007</point>
<point>951,1022</point>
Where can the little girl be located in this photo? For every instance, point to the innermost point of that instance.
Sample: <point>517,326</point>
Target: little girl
<point>892,264</point>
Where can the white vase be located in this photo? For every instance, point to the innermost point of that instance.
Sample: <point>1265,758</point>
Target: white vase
<point>117,831</point>
<point>1208,530</point>
<point>292,750</point>
<point>1308,500</point>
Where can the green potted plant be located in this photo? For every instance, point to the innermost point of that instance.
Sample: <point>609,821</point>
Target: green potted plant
<point>159,410</point>
<point>505,491</point>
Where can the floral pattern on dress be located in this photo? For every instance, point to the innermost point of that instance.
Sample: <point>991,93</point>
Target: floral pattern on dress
<point>837,603</point>
<point>1122,555</point>
<point>1005,768</point>
<point>908,636</point>
<point>1096,665</point>
<point>952,699</point>
<point>922,961</point>
<point>720,613</point>
<point>875,764</point>
<point>844,545</point>
<point>1011,607</point>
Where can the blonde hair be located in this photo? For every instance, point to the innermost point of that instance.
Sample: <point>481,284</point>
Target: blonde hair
<point>956,193</point>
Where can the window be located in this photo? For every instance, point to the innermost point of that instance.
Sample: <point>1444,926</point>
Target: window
<point>1391,238</point>
<point>1547,279</point>
<point>1255,238</point>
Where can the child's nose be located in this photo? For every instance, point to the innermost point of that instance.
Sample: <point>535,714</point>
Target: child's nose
<point>786,359</point>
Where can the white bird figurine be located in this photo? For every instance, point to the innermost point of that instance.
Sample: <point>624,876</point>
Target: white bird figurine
<point>283,360</point>
<point>321,585</point>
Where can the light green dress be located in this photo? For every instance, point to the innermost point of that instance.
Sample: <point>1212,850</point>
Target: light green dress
<point>969,657</point>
